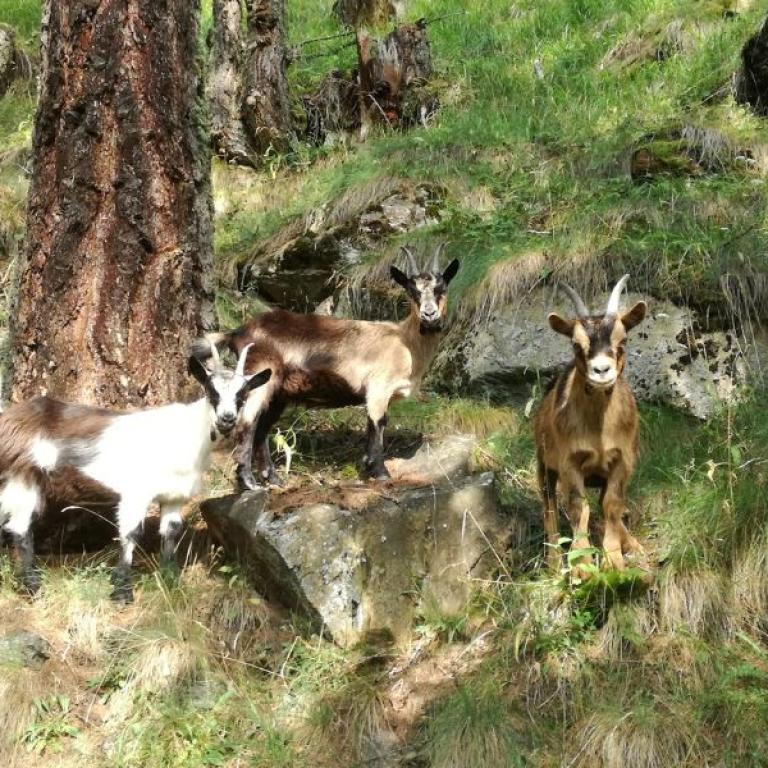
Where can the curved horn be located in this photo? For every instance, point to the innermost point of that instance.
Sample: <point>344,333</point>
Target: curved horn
<point>578,303</point>
<point>435,268</point>
<point>413,268</point>
<point>215,355</point>
<point>240,370</point>
<point>612,308</point>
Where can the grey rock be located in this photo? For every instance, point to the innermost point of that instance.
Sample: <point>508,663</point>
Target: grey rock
<point>24,649</point>
<point>669,357</point>
<point>360,573</point>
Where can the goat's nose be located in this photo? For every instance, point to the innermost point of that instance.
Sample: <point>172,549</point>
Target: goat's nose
<point>600,368</point>
<point>228,417</point>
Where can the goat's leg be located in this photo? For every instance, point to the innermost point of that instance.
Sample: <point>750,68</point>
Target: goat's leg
<point>19,501</point>
<point>264,465</point>
<point>377,404</point>
<point>244,458</point>
<point>171,524</point>
<point>130,516</point>
<point>25,551</point>
<point>548,489</point>
<point>374,458</point>
<point>617,539</point>
<point>572,485</point>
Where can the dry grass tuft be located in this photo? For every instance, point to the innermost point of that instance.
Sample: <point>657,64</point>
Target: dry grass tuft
<point>750,587</point>
<point>649,735</point>
<point>694,601</point>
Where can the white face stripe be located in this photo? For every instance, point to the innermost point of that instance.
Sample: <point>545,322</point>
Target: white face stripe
<point>227,386</point>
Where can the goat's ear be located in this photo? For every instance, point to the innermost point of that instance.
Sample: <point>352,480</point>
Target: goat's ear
<point>399,277</point>
<point>558,324</point>
<point>197,369</point>
<point>258,379</point>
<point>635,316</point>
<point>450,271</point>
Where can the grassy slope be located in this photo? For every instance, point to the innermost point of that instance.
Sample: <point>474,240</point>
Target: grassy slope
<point>606,675</point>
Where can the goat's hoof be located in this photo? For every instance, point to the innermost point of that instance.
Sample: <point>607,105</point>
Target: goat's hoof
<point>376,472</point>
<point>273,479</point>
<point>122,595</point>
<point>245,481</point>
<point>32,582</point>
<point>170,572</point>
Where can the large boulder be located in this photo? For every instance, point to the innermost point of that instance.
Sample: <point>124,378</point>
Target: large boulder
<point>670,358</point>
<point>362,561</point>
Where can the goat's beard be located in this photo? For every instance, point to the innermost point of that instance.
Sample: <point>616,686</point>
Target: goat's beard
<point>427,330</point>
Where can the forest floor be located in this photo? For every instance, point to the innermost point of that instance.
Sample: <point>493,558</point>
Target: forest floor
<point>539,671</point>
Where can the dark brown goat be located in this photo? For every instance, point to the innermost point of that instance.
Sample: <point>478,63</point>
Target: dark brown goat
<point>333,362</point>
<point>586,428</point>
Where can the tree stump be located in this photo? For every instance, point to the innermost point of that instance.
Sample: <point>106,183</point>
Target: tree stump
<point>389,69</point>
<point>752,82</point>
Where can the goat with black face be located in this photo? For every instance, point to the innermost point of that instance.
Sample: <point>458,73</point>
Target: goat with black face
<point>332,362</point>
<point>586,427</point>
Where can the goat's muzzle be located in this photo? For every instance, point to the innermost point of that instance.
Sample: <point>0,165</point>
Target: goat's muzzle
<point>225,424</point>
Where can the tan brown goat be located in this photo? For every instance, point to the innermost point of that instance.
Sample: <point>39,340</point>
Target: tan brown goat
<point>332,362</point>
<point>586,428</point>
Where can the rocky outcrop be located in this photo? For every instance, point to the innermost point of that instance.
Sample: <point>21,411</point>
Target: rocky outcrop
<point>298,268</point>
<point>669,357</point>
<point>362,561</point>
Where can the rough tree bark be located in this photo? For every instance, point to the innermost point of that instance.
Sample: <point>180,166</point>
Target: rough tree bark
<point>225,86</point>
<point>356,13</point>
<point>116,276</point>
<point>266,108</point>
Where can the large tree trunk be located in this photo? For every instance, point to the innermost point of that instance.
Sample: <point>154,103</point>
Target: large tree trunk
<point>355,13</point>
<point>266,108</point>
<point>225,84</point>
<point>116,277</point>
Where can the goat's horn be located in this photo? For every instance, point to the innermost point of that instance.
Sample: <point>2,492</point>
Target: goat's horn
<point>436,258</point>
<point>612,308</point>
<point>240,370</point>
<point>413,268</point>
<point>215,355</point>
<point>578,303</point>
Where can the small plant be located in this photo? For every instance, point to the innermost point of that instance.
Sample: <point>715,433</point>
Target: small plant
<point>50,726</point>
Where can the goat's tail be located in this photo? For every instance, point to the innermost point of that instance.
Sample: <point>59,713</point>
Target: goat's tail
<point>201,347</point>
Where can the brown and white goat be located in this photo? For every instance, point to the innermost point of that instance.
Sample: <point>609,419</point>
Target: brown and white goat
<point>586,427</point>
<point>128,459</point>
<point>331,362</point>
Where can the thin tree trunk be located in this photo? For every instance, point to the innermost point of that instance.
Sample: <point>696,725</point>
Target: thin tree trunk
<point>266,107</point>
<point>225,84</point>
<point>116,279</point>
